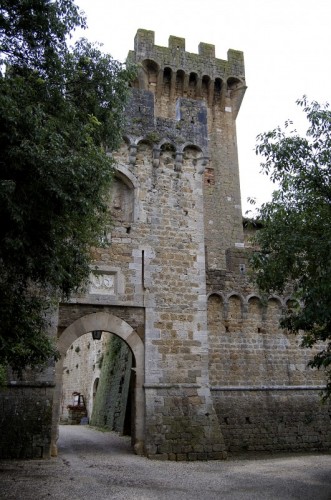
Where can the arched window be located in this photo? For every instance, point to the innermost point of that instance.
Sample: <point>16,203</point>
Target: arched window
<point>235,312</point>
<point>151,70</point>
<point>205,87</point>
<point>121,200</point>
<point>191,155</point>
<point>192,85</point>
<point>217,90</point>
<point>167,73</point>
<point>180,78</point>
<point>233,84</point>
<point>167,155</point>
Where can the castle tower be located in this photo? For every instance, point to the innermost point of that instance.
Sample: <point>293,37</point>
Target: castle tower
<point>175,205</point>
<point>203,94</point>
<point>181,151</point>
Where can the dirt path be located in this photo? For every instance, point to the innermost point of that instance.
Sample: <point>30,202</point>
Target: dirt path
<point>97,466</point>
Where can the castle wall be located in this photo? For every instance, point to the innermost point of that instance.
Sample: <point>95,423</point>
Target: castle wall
<point>265,395</point>
<point>112,405</point>
<point>222,203</point>
<point>26,420</point>
<point>273,420</point>
<point>26,405</point>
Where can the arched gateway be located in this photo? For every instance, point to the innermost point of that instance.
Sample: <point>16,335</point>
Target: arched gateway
<point>108,323</point>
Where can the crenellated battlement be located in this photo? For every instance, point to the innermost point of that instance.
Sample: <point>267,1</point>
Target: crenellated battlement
<point>204,62</point>
<point>171,72</point>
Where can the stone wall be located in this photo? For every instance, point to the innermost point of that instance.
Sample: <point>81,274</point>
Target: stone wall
<point>69,313</point>
<point>249,348</point>
<point>265,395</point>
<point>26,405</point>
<point>81,372</point>
<point>25,420</point>
<point>112,405</point>
<point>272,420</point>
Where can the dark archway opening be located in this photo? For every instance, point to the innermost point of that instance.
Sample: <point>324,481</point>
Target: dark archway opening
<point>101,372</point>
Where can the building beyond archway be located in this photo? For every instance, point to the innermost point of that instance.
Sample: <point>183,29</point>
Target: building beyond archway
<point>107,323</point>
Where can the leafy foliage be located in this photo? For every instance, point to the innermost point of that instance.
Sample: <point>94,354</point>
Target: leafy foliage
<point>295,242</point>
<point>62,110</point>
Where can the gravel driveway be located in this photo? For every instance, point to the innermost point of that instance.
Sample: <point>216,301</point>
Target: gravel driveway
<point>97,465</point>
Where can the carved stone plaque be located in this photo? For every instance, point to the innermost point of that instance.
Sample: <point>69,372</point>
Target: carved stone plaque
<point>102,283</point>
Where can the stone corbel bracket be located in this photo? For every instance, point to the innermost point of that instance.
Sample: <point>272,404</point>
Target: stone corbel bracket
<point>178,161</point>
<point>132,154</point>
<point>156,156</point>
<point>201,164</point>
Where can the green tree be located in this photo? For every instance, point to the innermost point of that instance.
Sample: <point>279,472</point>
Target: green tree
<point>295,242</point>
<point>61,111</point>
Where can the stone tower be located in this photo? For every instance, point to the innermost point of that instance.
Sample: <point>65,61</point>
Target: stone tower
<point>196,101</point>
<point>176,207</point>
<point>175,210</point>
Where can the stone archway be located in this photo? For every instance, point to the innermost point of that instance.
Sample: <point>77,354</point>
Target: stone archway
<point>107,323</point>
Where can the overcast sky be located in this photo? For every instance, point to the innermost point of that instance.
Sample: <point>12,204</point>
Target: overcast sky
<point>286,45</point>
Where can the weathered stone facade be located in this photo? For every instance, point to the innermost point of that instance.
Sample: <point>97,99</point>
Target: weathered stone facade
<point>81,372</point>
<point>264,395</point>
<point>212,371</point>
<point>26,415</point>
<point>112,403</point>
